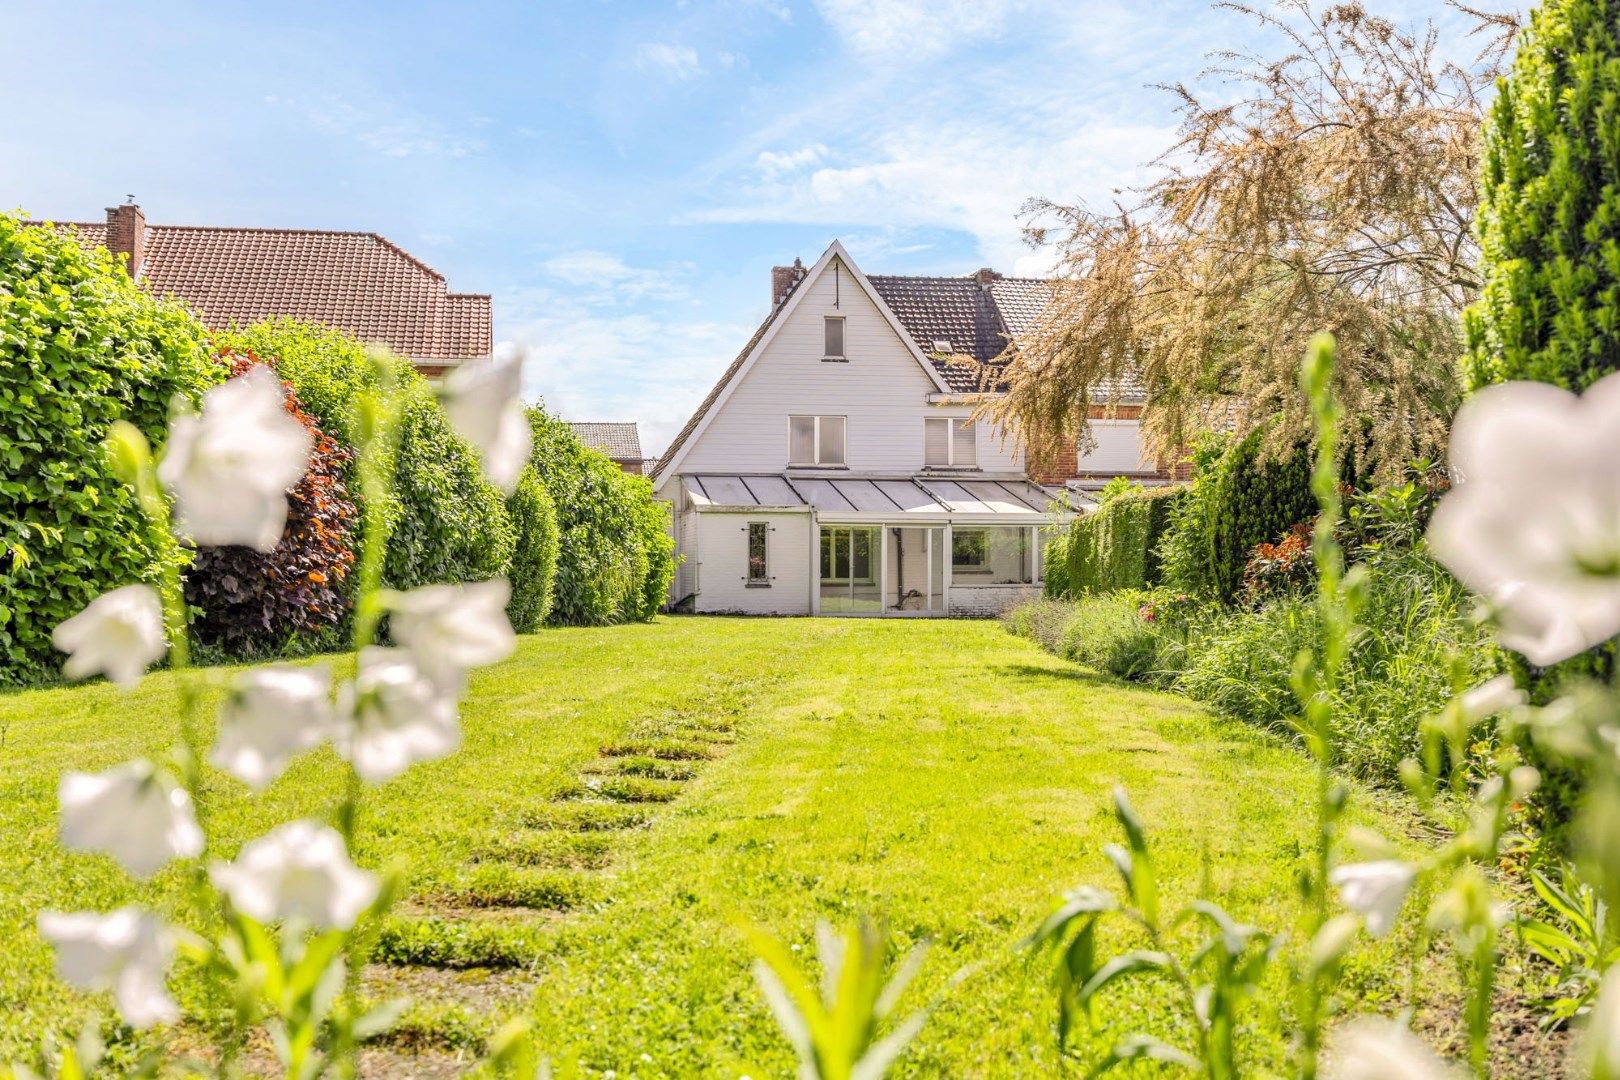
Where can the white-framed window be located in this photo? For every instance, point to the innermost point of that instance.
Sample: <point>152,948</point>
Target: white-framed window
<point>759,535</point>
<point>950,442</point>
<point>815,440</point>
<point>833,338</point>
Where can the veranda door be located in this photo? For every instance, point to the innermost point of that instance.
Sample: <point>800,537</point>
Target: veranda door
<point>850,569</point>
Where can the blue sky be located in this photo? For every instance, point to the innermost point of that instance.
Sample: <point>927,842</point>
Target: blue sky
<point>619,175</point>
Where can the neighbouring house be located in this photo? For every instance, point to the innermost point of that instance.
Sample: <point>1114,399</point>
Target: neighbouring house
<point>357,282</point>
<point>619,442</point>
<point>834,468</point>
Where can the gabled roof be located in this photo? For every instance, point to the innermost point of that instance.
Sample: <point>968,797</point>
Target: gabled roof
<point>784,305</point>
<point>969,318</point>
<point>358,282</point>
<point>621,442</point>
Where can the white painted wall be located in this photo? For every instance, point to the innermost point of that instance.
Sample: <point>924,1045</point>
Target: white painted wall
<point>723,578</point>
<point>881,389</point>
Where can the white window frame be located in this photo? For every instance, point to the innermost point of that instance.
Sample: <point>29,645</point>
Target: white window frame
<point>816,441</point>
<point>950,441</point>
<point>842,356</point>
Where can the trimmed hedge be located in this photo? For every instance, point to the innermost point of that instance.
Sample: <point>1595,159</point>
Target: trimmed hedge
<point>616,556</point>
<point>534,563</point>
<point>449,523</point>
<point>1251,501</point>
<point>1114,547</point>
<point>80,346</point>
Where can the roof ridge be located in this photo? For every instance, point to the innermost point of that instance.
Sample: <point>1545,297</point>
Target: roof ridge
<point>293,231</point>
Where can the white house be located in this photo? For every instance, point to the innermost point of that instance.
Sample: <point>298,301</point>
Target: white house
<point>833,468</point>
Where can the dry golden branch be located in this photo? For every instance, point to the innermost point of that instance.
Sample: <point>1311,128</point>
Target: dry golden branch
<point>1333,188</point>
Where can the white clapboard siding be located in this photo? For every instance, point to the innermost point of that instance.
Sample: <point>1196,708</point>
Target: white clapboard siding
<point>880,388</point>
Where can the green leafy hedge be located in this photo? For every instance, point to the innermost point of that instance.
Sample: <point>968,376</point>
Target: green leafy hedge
<point>534,564</point>
<point>1252,501</point>
<point>449,523</point>
<point>616,556</point>
<point>80,346</point>
<point>1114,547</point>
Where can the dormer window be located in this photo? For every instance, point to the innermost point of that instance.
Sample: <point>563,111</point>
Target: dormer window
<point>833,330</point>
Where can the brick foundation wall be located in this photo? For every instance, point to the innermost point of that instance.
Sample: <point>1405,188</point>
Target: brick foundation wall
<point>989,601</point>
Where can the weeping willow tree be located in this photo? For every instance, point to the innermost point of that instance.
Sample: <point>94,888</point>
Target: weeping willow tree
<point>1331,187</point>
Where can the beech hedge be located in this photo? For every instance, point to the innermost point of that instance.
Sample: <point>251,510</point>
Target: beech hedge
<point>1113,547</point>
<point>449,523</point>
<point>616,556</point>
<point>80,346</point>
<point>534,561</point>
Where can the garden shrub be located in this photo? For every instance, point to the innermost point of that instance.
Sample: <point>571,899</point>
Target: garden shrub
<point>449,523</point>
<point>1239,660</point>
<point>1252,500</point>
<point>292,598</point>
<point>1112,632</point>
<point>1114,546</point>
<point>80,346</point>
<point>616,556</point>
<point>534,559</point>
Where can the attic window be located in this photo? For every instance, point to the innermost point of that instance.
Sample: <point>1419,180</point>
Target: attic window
<point>942,345</point>
<point>834,341</point>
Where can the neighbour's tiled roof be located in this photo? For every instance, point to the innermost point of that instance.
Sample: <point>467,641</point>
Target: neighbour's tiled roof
<point>957,319</point>
<point>358,282</point>
<point>621,442</point>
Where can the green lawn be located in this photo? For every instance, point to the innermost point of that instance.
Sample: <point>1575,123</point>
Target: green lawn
<point>625,795</point>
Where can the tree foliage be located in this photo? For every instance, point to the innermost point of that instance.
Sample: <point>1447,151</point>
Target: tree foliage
<point>80,347</point>
<point>248,601</point>
<point>1327,188</point>
<point>1549,211</point>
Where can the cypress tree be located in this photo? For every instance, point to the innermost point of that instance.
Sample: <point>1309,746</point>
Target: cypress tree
<point>1550,205</point>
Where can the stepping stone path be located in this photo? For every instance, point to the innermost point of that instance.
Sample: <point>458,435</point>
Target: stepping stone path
<point>465,955</point>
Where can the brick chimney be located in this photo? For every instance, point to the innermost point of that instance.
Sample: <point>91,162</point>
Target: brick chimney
<point>126,235</point>
<point>783,278</point>
<point>984,276</point>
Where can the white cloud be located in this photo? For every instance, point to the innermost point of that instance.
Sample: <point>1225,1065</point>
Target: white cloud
<point>773,164</point>
<point>586,365</point>
<point>917,29</point>
<point>598,277</point>
<point>672,61</point>
<point>381,130</point>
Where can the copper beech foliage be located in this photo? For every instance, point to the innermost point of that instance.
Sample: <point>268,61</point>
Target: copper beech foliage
<point>1328,185</point>
<point>248,601</point>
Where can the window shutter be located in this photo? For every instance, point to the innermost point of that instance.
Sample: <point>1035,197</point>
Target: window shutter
<point>802,440</point>
<point>967,448</point>
<point>936,441</point>
<point>832,440</point>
